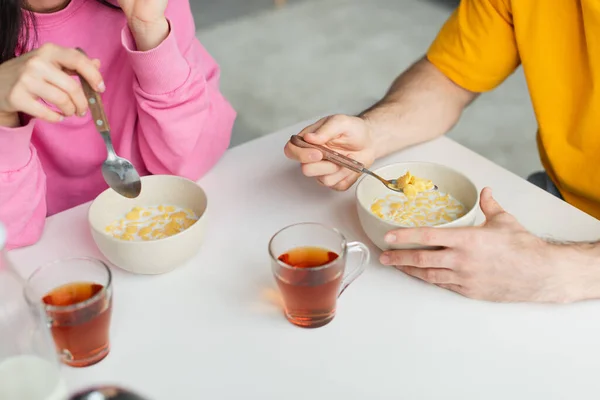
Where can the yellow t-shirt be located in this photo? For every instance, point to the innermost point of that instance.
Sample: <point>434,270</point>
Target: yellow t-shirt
<point>558,45</point>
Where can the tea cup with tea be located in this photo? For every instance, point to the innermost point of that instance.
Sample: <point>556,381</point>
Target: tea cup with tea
<point>309,265</point>
<point>76,295</point>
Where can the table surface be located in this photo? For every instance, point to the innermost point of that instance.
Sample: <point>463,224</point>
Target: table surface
<point>212,329</point>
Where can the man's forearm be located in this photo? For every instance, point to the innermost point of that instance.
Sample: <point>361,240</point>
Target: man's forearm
<point>578,268</point>
<point>421,105</point>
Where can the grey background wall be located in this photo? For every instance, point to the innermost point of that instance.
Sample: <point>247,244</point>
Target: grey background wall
<point>314,57</point>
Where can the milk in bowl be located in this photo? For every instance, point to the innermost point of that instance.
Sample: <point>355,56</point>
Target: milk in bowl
<point>432,195</point>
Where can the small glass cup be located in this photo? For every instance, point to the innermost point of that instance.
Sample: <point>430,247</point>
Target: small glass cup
<point>76,294</point>
<point>309,266</point>
<point>29,368</point>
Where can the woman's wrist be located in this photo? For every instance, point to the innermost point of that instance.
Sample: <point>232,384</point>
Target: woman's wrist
<point>9,120</point>
<point>149,35</point>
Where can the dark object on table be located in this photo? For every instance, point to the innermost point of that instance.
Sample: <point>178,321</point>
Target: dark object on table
<point>106,393</point>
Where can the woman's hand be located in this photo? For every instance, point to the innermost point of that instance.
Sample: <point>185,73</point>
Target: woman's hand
<point>347,135</point>
<point>41,74</point>
<point>147,21</point>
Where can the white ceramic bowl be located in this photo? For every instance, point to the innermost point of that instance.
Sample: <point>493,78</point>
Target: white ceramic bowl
<point>447,179</point>
<point>154,256</point>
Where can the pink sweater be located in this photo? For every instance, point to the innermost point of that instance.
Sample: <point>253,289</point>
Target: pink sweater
<point>166,113</point>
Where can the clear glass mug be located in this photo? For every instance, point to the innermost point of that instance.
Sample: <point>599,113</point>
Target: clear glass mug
<point>309,265</point>
<point>76,295</point>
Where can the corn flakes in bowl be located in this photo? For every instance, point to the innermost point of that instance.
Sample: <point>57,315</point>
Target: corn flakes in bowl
<point>156,232</point>
<point>433,195</point>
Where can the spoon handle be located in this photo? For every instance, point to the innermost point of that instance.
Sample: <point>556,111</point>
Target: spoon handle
<point>95,102</point>
<point>330,155</point>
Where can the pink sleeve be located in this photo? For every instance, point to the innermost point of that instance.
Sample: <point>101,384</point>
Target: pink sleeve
<point>184,122</point>
<point>22,186</point>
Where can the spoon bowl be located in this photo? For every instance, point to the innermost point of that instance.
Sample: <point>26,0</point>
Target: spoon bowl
<point>122,177</point>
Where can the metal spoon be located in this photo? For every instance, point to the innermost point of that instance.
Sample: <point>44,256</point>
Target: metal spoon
<point>346,162</point>
<point>119,173</point>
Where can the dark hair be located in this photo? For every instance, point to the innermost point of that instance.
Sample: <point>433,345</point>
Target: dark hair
<point>15,24</point>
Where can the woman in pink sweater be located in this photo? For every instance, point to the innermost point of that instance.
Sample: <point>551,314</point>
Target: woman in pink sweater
<point>159,85</point>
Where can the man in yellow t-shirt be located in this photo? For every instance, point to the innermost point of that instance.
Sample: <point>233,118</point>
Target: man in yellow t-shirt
<point>482,43</point>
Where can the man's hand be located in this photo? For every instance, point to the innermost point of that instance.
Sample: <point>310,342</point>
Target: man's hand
<point>347,135</point>
<point>497,261</point>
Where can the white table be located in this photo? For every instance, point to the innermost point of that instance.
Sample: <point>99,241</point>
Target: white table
<point>211,329</point>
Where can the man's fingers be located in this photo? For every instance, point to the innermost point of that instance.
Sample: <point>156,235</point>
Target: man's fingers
<point>432,275</point>
<point>335,178</point>
<point>419,258</point>
<point>452,287</point>
<point>302,155</point>
<point>325,130</point>
<point>313,127</point>
<point>320,168</point>
<point>347,182</point>
<point>489,205</point>
<point>445,237</point>
<point>340,131</point>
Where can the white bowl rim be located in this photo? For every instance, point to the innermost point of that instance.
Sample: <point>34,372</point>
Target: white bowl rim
<point>139,243</point>
<point>455,221</point>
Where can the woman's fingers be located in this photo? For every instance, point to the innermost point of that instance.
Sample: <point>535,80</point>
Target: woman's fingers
<point>70,87</point>
<point>44,74</point>
<point>74,60</point>
<point>52,65</point>
<point>54,86</point>
<point>54,95</point>
<point>27,103</point>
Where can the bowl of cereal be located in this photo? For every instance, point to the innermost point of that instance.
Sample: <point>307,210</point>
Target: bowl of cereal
<point>432,195</point>
<point>154,233</point>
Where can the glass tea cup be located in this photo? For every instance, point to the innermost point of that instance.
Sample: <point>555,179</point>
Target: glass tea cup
<point>309,266</point>
<point>76,294</point>
<point>29,368</point>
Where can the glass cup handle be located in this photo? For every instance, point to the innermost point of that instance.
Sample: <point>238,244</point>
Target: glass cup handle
<point>355,247</point>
